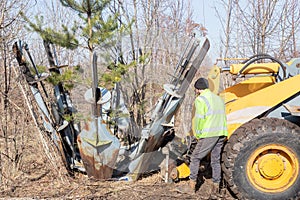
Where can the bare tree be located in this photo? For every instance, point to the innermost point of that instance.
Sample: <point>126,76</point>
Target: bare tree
<point>157,34</point>
<point>265,26</point>
<point>11,114</point>
<point>226,25</point>
<point>289,29</point>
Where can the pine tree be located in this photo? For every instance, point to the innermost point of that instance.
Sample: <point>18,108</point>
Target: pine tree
<point>96,29</point>
<point>98,26</point>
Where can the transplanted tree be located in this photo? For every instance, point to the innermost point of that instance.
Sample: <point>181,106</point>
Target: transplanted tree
<point>98,25</point>
<point>94,28</point>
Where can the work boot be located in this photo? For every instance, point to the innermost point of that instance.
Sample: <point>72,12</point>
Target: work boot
<point>215,192</point>
<point>188,188</point>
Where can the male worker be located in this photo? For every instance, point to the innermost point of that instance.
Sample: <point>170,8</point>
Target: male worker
<point>210,130</point>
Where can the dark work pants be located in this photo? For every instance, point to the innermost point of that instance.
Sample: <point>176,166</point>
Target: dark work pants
<point>202,149</point>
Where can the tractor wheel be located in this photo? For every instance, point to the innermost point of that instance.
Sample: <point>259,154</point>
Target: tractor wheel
<point>261,160</point>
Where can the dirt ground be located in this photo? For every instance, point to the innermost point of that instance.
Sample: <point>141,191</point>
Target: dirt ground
<point>51,187</point>
<point>40,174</point>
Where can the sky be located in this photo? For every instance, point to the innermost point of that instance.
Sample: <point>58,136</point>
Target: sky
<point>204,13</point>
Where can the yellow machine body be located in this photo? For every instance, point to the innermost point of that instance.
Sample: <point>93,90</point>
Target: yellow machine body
<point>248,99</point>
<point>259,68</point>
<point>271,168</point>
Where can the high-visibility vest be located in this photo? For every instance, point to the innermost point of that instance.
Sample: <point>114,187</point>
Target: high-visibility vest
<point>210,116</point>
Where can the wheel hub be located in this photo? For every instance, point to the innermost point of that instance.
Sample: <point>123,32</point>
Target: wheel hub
<point>271,166</point>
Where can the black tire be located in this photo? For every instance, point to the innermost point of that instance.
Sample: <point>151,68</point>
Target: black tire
<point>245,143</point>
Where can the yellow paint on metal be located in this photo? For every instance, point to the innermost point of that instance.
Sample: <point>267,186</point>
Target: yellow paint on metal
<point>214,79</point>
<point>264,98</point>
<point>257,68</point>
<point>272,168</point>
<point>183,170</point>
<point>246,87</point>
<point>232,127</point>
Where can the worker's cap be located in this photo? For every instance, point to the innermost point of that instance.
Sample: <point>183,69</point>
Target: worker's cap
<point>201,84</point>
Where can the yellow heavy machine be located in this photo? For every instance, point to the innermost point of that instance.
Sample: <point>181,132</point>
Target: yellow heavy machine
<point>261,159</point>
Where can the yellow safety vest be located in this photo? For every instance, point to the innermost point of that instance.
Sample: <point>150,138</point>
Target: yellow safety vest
<point>210,116</point>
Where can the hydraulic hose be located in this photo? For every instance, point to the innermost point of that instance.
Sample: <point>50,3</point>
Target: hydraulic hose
<point>260,57</point>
